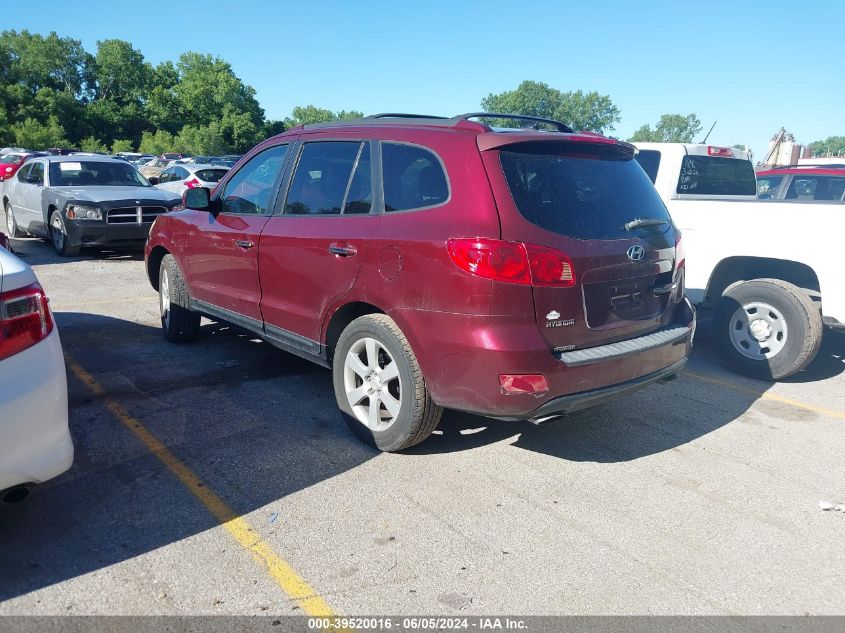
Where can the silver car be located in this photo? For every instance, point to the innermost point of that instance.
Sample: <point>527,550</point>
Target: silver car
<point>179,178</point>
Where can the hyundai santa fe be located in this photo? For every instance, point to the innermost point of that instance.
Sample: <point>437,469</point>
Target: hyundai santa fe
<point>437,263</point>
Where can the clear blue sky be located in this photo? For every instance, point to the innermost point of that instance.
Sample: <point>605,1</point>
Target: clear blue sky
<point>754,67</point>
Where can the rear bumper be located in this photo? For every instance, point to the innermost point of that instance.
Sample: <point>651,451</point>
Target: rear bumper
<point>35,443</point>
<point>101,233</point>
<point>462,357</point>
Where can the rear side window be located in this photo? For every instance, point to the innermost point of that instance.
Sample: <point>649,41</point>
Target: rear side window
<point>713,176</point>
<point>211,175</point>
<point>828,188</point>
<point>321,183</point>
<point>767,186</point>
<point>649,160</point>
<point>588,195</point>
<point>413,178</point>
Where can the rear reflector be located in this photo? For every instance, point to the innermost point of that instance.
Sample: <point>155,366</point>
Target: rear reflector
<point>25,319</point>
<point>193,182</point>
<point>513,384</point>
<point>513,262</point>
<point>727,152</point>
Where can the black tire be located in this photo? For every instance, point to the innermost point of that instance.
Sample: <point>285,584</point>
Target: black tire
<point>418,415</point>
<point>58,237</point>
<point>11,223</point>
<point>780,353</point>
<point>179,323</point>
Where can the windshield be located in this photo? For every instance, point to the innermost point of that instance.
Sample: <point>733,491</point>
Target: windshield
<point>96,174</point>
<point>583,196</point>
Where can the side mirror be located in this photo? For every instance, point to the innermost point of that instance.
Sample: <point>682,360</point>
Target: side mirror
<point>198,198</point>
<point>153,180</point>
<point>5,242</point>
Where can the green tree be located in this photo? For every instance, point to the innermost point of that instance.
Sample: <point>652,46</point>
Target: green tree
<point>203,139</point>
<point>156,142</point>
<point>93,144</point>
<point>122,74</point>
<point>121,145</point>
<point>671,128</point>
<point>310,114</point>
<point>831,146</point>
<point>34,135</point>
<point>579,110</point>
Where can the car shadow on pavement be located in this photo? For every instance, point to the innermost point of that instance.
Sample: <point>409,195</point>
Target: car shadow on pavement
<point>37,252</point>
<point>255,424</point>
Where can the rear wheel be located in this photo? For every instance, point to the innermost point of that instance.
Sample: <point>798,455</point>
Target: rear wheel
<point>59,238</point>
<point>379,385</point>
<point>179,323</point>
<point>767,328</point>
<point>11,224</point>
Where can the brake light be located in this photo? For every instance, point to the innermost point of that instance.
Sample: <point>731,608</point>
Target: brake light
<point>680,253</point>
<point>25,319</point>
<point>193,182</point>
<point>720,151</point>
<point>491,259</point>
<point>513,262</point>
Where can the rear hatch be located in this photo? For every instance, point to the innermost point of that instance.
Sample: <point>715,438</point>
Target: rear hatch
<point>589,200</point>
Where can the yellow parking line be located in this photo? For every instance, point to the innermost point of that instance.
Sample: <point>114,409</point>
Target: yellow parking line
<point>767,396</point>
<point>241,531</point>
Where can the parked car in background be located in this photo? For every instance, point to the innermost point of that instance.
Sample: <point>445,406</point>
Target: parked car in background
<point>768,270</point>
<point>13,150</point>
<point>10,163</point>
<point>173,155</point>
<point>201,160</point>
<point>78,201</point>
<point>153,167</point>
<point>227,160</point>
<point>435,263</point>
<point>803,183</point>
<point>60,151</point>
<point>35,443</point>
<point>179,178</point>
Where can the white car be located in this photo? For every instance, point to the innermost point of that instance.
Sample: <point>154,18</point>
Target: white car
<point>180,178</point>
<point>35,442</point>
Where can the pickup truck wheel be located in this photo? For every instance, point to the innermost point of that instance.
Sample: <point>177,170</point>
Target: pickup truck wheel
<point>58,237</point>
<point>379,385</point>
<point>179,323</point>
<point>767,329</point>
<point>11,224</point>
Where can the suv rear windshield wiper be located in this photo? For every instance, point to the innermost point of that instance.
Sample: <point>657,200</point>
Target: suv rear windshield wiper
<point>638,222</point>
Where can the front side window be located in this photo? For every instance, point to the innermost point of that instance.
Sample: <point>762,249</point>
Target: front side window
<point>23,172</point>
<point>413,178</point>
<point>714,176</point>
<point>829,188</point>
<point>36,175</point>
<point>323,182</point>
<point>249,191</point>
<point>165,176</point>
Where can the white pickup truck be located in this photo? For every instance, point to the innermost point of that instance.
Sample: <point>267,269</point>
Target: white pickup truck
<point>767,269</point>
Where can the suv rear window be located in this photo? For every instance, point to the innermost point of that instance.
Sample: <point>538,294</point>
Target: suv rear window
<point>588,195</point>
<point>713,176</point>
<point>211,175</point>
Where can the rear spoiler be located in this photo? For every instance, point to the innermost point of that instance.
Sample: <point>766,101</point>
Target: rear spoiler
<point>496,140</point>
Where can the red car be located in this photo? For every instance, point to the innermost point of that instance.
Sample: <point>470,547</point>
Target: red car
<point>437,262</point>
<point>10,163</point>
<point>809,183</point>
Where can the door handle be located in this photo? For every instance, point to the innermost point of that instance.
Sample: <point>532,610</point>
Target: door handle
<point>664,290</point>
<point>244,243</point>
<point>343,251</point>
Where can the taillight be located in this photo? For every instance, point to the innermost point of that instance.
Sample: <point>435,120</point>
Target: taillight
<point>680,253</point>
<point>513,262</point>
<point>193,182</point>
<point>720,151</point>
<point>25,319</point>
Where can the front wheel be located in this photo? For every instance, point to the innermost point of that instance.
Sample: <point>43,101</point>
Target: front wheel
<point>58,237</point>
<point>767,329</point>
<point>179,323</point>
<point>379,385</point>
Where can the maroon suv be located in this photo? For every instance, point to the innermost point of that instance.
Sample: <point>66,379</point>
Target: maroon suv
<point>437,262</point>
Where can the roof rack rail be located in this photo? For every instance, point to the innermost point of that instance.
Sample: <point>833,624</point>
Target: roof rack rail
<point>560,127</point>
<point>402,115</point>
